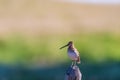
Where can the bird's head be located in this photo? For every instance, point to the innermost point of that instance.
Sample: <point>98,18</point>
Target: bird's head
<point>70,43</point>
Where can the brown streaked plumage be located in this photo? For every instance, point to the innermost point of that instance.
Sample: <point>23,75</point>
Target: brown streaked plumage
<point>72,52</point>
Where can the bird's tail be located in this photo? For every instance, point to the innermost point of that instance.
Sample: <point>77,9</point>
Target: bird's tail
<point>78,60</point>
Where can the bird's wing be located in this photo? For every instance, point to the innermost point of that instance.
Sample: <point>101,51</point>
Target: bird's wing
<point>76,51</point>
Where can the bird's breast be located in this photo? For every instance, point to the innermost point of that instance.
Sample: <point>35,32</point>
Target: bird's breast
<point>72,55</point>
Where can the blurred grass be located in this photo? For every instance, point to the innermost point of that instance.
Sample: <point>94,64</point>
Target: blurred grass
<point>44,50</point>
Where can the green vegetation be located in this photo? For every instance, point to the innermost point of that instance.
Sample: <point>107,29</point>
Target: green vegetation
<point>43,50</point>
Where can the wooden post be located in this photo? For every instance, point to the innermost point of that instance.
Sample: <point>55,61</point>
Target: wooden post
<point>73,73</point>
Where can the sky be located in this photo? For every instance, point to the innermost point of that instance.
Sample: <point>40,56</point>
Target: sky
<point>95,1</point>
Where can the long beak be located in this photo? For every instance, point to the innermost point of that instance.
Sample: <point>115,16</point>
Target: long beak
<point>64,46</point>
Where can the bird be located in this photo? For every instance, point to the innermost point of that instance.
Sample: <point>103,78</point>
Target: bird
<point>72,52</point>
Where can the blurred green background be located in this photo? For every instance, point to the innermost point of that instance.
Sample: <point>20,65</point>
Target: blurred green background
<point>31,33</point>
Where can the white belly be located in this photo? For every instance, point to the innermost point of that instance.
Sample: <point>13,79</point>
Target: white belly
<point>72,55</point>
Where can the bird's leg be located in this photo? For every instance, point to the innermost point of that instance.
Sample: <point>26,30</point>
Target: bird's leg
<point>75,62</point>
<point>72,63</point>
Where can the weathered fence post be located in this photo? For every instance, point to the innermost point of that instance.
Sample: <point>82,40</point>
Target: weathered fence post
<point>73,73</point>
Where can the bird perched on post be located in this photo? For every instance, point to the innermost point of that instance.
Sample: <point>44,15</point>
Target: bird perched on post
<point>72,52</point>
